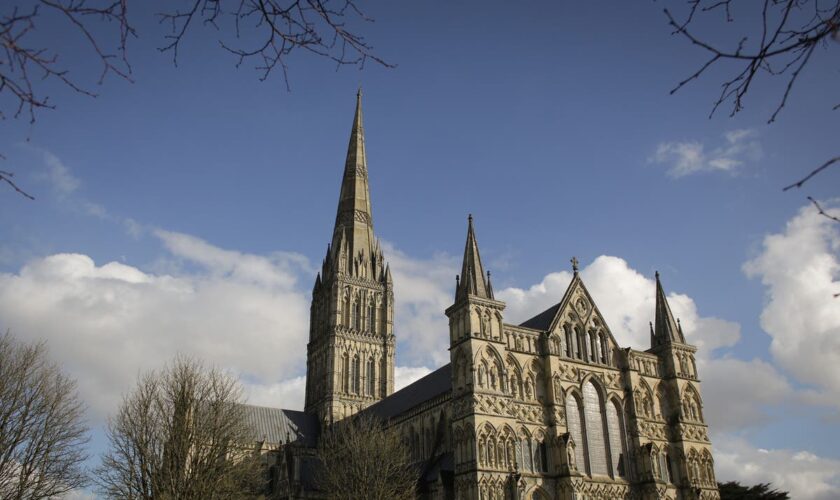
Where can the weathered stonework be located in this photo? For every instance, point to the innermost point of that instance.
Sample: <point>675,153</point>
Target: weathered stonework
<point>552,408</point>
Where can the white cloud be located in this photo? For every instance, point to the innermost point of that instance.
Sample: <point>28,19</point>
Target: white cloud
<point>423,289</point>
<point>407,375</point>
<point>803,474</point>
<point>627,300</point>
<point>58,175</point>
<point>288,394</point>
<point>106,323</point>
<point>737,394</point>
<point>690,157</point>
<point>799,268</point>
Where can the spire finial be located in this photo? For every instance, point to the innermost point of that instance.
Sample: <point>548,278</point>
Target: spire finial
<point>666,328</point>
<point>359,92</point>
<point>575,263</point>
<point>473,281</point>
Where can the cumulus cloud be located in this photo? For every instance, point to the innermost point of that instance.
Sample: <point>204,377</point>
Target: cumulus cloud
<point>737,393</point>
<point>106,323</point>
<point>691,157</point>
<point>799,268</point>
<point>627,300</point>
<point>803,474</point>
<point>407,375</point>
<point>423,289</point>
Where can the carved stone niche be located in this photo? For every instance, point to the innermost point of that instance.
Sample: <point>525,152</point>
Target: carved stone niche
<point>568,464</point>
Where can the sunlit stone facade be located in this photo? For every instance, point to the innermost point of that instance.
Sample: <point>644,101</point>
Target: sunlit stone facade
<point>552,408</point>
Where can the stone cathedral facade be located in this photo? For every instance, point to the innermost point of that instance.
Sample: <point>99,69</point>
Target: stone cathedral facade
<point>552,408</point>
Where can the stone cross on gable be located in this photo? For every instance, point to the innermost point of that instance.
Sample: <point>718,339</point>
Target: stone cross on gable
<point>575,263</point>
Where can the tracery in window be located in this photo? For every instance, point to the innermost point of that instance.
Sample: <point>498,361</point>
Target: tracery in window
<point>357,376</point>
<point>357,315</point>
<point>574,422</point>
<point>371,377</point>
<point>594,418</point>
<point>615,428</point>
<point>345,373</point>
<point>371,317</point>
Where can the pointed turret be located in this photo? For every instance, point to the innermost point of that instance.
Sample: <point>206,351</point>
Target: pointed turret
<point>353,220</point>
<point>666,329</point>
<point>472,273</point>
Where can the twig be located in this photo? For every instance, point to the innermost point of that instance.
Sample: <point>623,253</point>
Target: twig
<point>816,171</point>
<point>823,212</point>
<point>7,177</point>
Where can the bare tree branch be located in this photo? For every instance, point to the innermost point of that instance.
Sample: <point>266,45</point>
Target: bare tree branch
<point>821,211</point>
<point>791,30</point>
<point>788,39</point>
<point>25,62</point>
<point>282,27</point>
<point>181,433</point>
<point>360,458</point>
<point>42,432</point>
<point>798,184</point>
<point>7,178</point>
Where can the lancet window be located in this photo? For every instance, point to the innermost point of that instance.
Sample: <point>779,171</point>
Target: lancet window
<point>371,317</point>
<point>371,377</point>
<point>357,376</point>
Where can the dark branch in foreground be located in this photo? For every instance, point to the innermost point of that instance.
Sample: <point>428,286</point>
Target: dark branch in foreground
<point>281,27</point>
<point>816,171</point>
<point>25,62</point>
<point>790,31</point>
<point>7,178</point>
<point>821,211</point>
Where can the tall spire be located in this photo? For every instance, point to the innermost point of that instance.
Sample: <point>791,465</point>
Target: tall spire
<point>472,281</point>
<point>666,329</point>
<point>353,218</point>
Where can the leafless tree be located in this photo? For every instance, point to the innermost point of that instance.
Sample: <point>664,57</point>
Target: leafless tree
<point>359,458</point>
<point>181,434</point>
<point>789,33</point>
<point>42,431</point>
<point>268,31</point>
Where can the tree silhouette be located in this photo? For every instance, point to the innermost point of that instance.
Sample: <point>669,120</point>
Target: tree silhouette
<point>789,33</point>
<point>733,490</point>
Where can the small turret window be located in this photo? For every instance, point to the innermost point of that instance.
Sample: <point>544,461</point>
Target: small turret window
<point>357,315</point>
<point>372,317</point>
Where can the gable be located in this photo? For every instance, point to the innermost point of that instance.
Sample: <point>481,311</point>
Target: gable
<point>576,307</point>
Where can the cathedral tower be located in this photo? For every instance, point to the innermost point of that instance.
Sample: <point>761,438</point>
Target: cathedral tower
<point>350,355</point>
<point>685,454</point>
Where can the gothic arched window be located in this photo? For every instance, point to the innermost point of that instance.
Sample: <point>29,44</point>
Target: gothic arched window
<point>345,373</point>
<point>346,311</point>
<point>567,330</point>
<point>371,317</point>
<point>357,376</point>
<point>371,377</point>
<point>615,428</point>
<point>604,348</point>
<point>594,419</point>
<point>357,315</point>
<point>574,421</point>
<point>580,344</point>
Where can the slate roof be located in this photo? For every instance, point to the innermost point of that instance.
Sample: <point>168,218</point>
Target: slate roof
<point>276,425</point>
<point>542,320</point>
<point>428,387</point>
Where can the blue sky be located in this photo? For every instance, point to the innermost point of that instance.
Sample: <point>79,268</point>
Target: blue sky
<point>551,122</point>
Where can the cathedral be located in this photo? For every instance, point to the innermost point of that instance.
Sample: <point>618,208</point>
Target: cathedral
<point>552,408</point>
